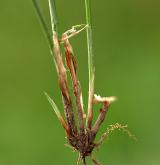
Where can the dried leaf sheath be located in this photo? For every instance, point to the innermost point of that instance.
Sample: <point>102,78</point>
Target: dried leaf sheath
<point>72,65</point>
<point>62,79</point>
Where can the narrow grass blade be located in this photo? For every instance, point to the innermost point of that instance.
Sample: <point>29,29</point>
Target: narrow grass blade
<point>52,9</point>
<point>43,23</point>
<point>90,63</point>
<point>56,110</point>
<point>89,40</point>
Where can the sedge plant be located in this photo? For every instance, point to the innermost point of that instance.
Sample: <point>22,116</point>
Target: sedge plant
<point>81,136</point>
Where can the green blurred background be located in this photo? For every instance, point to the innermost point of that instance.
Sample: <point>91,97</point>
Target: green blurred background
<point>127,59</point>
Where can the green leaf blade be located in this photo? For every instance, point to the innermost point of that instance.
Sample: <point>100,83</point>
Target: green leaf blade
<point>52,8</point>
<point>43,23</point>
<point>56,110</point>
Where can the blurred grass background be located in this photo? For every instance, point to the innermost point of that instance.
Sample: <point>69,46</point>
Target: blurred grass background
<point>127,60</point>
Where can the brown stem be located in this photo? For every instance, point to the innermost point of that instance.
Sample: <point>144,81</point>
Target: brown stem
<point>71,63</point>
<point>62,78</point>
<point>84,161</point>
<point>99,120</point>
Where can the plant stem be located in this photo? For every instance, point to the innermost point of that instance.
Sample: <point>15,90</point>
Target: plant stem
<point>52,8</point>
<point>61,72</point>
<point>43,23</point>
<point>90,63</point>
<point>72,66</point>
<point>89,40</point>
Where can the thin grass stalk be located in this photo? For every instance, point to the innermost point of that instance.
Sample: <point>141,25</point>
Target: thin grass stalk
<point>43,23</point>
<point>89,39</point>
<point>90,63</point>
<point>52,8</point>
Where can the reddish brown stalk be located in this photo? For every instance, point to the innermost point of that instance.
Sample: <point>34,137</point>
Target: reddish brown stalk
<point>62,78</point>
<point>72,65</point>
<point>100,119</point>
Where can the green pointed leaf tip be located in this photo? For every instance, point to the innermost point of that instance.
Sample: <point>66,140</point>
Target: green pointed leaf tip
<point>53,104</point>
<point>56,110</point>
